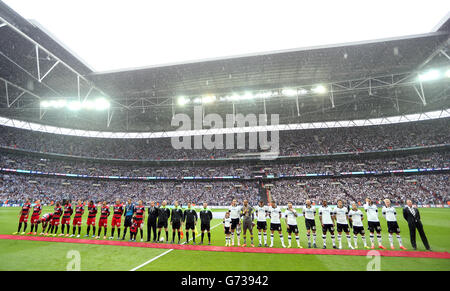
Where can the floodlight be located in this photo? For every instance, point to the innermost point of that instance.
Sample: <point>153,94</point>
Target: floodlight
<point>88,104</point>
<point>319,89</point>
<point>429,76</point>
<point>57,103</point>
<point>447,73</point>
<point>74,105</point>
<point>289,92</point>
<point>101,104</point>
<point>247,96</point>
<point>208,99</point>
<point>182,100</point>
<point>302,92</point>
<point>45,104</point>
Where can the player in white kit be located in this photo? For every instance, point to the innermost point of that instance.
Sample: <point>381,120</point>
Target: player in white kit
<point>341,215</point>
<point>356,217</point>
<point>261,221</point>
<point>391,217</point>
<point>291,222</point>
<point>373,223</point>
<point>275,222</point>
<point>309,213</point>
<point>235,215</point>
<point>327,222</point>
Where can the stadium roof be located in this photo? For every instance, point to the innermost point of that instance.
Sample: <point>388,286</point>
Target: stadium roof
<point>299,67</point>
<point>371,79</point>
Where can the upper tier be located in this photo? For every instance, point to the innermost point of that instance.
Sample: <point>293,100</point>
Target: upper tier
<point>291,143</point>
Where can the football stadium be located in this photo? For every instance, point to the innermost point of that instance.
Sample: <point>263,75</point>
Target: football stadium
<point>332,157</point>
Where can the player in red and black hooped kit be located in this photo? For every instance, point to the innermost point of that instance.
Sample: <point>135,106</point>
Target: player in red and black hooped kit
<point>68,211</point>
<point>92,210</point>
<point>45,220</point>
<point>23,216</point>
<point>140,215</point>
<point>117,219</point>
<point>103,222</point>
<point>79,210</point>
<point>58,211</point>
<point>37,209</point>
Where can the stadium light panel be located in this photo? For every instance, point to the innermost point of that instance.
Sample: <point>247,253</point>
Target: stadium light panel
<point>429,76</point>
<point>89,105</point>
<point>234,97</point>
<point>101,104</point>
<point>208,99</point>
<point>45,104</point>
<point>74,105</point>
<point>447,73</point>
<point>248,96</point>
<point>302,92</point>
<point>182,101</point>
<point>59,104</point>
<point>319,89</point>
<point>289,92</point>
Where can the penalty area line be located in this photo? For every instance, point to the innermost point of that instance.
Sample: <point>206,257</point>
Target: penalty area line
<point>166,252</point>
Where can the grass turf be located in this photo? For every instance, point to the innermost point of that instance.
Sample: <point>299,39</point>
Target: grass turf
<point>33,255</point>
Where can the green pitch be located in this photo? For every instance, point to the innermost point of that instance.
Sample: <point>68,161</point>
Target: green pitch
<point>35,255</point>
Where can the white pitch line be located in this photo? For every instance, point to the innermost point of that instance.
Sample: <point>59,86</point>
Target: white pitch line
<point>166,252</point>
<point>151,260</point>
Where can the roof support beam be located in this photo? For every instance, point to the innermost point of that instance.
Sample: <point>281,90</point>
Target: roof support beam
<point>8,83</point>
<point>37,63</point>
<point>109,117</point>
<point>29,74</point>
<point>420,92</point>
<point>39,46</point>
<point>51,69</point>
<point>445,54</point>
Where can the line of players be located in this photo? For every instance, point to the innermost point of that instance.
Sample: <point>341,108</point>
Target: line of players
<point>134,220</point>
<point>329,217</point>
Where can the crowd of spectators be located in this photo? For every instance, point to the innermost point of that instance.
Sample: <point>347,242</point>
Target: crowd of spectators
<point>421,189</point>
<point>425,160</point>
<point>16,188</point>
<point>291,143</point>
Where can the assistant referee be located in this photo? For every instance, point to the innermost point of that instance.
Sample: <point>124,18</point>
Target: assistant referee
<point>205,222</point>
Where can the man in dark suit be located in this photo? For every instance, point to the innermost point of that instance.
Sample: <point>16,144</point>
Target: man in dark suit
<point>412,215</point>
<point>151,221</point>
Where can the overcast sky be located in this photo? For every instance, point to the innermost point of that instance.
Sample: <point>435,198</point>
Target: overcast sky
<point>110,35</point>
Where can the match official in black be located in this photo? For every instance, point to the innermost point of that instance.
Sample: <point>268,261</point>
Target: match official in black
<point>176,217</point>
<point>190,219</point>
<point>151,222</point>
<point>412,215</point>
<point>205,222</point>
<point>163,217</point>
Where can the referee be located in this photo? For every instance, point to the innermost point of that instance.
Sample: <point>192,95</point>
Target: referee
<point>151,221</point>
<point>176,217</point>
<point>205,222</point>
<point>163,217</point>
<point>190,219</point>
